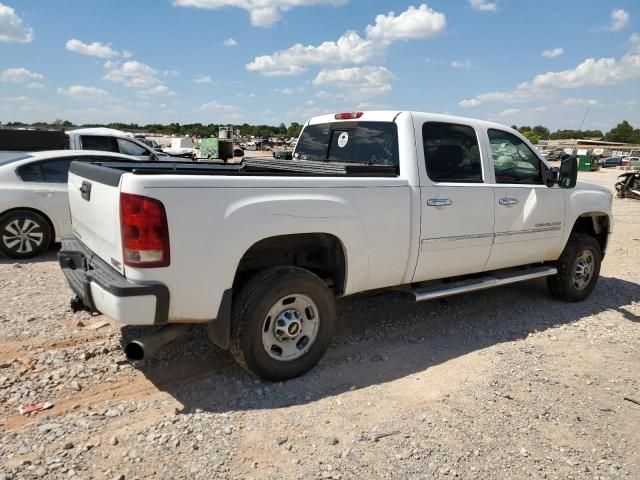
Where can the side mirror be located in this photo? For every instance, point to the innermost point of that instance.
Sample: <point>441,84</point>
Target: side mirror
<point>551,176</point>
<point>568,175</point>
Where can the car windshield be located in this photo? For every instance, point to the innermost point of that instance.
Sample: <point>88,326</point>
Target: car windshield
<point>370,143</point>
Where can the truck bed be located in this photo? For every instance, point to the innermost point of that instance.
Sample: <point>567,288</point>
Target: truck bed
<point>251,167</point>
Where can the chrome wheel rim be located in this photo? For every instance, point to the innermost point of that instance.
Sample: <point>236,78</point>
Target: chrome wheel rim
<point>290,327</point>
<point>22,235</point>
<point>584,269</point>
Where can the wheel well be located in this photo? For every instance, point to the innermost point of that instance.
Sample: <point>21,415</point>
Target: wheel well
<point>594,224</point>
<point>320,253</point>
<point>34,210</point>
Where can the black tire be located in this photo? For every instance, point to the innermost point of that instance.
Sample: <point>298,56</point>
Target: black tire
<point>37,230</point>
<point>566,285</point>
<point>249,320</point>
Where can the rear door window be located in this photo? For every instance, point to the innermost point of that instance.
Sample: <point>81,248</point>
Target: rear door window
<point>103,143</point>
<point>369,143</point>
<point>48,171</point>
<point>451,153</point>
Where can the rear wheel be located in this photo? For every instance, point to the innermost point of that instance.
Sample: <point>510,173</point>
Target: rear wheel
<point>282,323</point>
<point>24,234</point>
<point>578,269</point>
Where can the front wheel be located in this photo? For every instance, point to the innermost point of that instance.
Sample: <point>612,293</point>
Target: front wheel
<point>24,234</point>
<point>578,269</point>
<point>282,323</point>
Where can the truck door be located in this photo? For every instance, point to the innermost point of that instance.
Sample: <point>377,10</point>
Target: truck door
<point>456,201</point>
<point>528,214</point>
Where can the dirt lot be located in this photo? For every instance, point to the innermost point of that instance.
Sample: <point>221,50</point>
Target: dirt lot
<point>506,383</point>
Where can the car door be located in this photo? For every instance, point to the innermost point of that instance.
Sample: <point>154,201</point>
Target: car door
<point>46,184</point>
<point>528,214</point>
<point>456,201</point>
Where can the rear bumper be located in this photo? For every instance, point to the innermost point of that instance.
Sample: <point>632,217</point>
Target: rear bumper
<point>104,290</point>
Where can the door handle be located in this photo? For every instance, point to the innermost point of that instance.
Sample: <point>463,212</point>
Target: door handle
<point>508,201</point>
<point>439,202</point>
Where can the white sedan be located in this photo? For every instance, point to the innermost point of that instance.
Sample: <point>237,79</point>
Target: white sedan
<point>34,206</point>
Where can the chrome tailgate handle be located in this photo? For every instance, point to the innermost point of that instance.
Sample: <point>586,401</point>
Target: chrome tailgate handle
<point>439,202</point>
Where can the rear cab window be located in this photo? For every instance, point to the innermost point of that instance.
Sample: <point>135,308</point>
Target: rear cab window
<point>363,143</point>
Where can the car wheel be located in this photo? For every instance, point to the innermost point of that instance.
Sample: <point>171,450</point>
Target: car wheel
<point>282,323</point>
<point>24,234</point>
<point>578,269</point>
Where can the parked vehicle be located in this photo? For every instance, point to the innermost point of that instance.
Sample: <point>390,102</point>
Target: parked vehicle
<point>110,140</point>
<point>432,205</point>
<point>34,205</point>
<point>611,162</point>
<point>628,185</point>
<point>16,142</point>
<point>283,154</point>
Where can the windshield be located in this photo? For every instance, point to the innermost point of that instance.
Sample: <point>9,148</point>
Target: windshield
<point>370,143</point>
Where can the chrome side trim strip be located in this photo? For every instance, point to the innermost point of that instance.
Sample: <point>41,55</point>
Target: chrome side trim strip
<point>456,237</point>
<point>531,230</point>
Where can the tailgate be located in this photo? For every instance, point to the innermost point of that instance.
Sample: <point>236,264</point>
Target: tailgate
<point>94,202</point>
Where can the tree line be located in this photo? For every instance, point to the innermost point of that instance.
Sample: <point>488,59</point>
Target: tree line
<point>623,132</point>
<point>186,130</point>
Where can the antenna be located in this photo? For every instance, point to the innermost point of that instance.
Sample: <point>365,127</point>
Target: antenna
<point>575,140</point>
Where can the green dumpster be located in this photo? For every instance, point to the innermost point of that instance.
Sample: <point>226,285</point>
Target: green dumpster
<point>587,164</point>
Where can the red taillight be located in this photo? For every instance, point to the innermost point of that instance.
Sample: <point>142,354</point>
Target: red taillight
<point>348,115</point>
<point>145,232</point>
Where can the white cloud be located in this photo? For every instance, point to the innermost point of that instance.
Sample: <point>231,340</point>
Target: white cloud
<point>36,86</point>
<point>483,5</point>
<point>132,74</point>
<point>619,20</point>
<point>357,81</point>
<point>158,90</point>
<point>263,13</point>
<point>215,106</point>
<point>351,48</point>
<point>19,75</point>
<point>230,42</point>
<point>580,102</point>
<point>12,29</point>
<point>170,73</point>
<point>556,52</point>
<point>203,79</point>
<point>80,92</point>
<point>94,49</point>
<point>460,65</point>
<point>509,112</point>
<point>591,72</point>
<point>413,23</point>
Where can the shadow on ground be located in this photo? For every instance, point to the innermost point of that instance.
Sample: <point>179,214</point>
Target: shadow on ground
<point>50,255</point>
<point>380,338</point>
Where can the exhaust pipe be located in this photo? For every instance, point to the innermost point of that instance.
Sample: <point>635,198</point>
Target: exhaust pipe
<point>147,346</point>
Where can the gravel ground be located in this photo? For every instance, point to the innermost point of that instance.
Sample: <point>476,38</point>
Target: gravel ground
<point>523,387</point>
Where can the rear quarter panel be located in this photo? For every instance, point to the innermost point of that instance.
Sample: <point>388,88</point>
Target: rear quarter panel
<point>213,221</point>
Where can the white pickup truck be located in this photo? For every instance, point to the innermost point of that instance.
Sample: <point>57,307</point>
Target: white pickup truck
<point>432,205</point>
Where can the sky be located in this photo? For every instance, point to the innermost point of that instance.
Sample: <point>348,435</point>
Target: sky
<point>518,62</point>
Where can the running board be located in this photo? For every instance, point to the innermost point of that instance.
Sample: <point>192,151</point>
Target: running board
<point>474,284</point>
